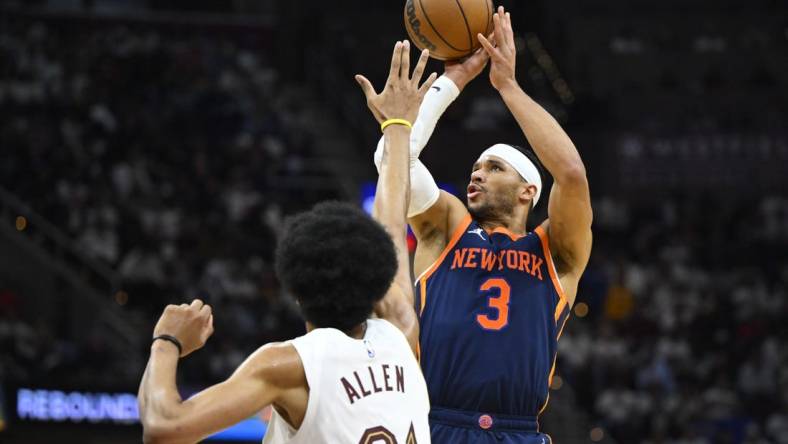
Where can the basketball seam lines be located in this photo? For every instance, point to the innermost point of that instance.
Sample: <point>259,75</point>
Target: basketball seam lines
<point>467,26</point>
<point>424,11</point>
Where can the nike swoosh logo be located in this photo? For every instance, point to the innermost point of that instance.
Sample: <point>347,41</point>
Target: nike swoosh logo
<point>438,88</point>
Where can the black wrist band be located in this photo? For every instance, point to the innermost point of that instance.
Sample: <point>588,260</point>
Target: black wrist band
<point>172,339</point>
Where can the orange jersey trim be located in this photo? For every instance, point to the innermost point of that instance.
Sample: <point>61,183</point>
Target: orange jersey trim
<point>503,230</point>
<point>549,384</point>
<point>562,326</point>
<point>546,401</point>
<point>563,301</point>
<point>455,237</point>
<point>423,295</point>
<point>560,308</point>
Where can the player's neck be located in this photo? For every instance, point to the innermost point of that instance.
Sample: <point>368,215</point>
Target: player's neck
<point>514,223</point>
<point>358,331</point>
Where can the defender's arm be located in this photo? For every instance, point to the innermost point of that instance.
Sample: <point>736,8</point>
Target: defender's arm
<point>391,204</point>
<point>433,214</point>
<point>400,99</point>
<point>258,382</point>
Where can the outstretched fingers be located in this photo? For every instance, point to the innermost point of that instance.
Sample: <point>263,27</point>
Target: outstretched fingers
<point>420,65</point>
<point>404,69</point>
<point>396,61</point>
<point>483,52</point>
<point>427,84</point>
<point>498,28</point>
<point>507,26</point>
<point>366,86</point>
<point>491,50</point>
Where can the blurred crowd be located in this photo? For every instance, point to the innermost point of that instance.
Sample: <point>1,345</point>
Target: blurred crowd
<point>172,154</point>
<point>162,155</point>
<point>679,332</point>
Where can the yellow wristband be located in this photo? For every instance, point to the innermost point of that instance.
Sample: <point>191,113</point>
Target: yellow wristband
<point>395,122</point>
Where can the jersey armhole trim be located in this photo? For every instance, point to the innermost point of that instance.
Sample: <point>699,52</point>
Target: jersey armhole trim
<point>549,384</point>
<point>455,237</point>
<point>548,255</point>
<point>563,323</point>
<point>313,398</point>
<point>422,283</point>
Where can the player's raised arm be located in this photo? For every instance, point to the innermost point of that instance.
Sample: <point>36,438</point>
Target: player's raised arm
<point>395,108</point>
<point>432,213</point>
<point>457,74</point>
<point>569,208</point>
<point>259,381</point>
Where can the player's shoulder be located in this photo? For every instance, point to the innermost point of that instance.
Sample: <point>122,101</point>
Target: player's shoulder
<point>384,327</point>
<point>277,363</point>
<point>542,233</point>
<point>441,219</point>
<point>458,214</point>
<point>383,333</point>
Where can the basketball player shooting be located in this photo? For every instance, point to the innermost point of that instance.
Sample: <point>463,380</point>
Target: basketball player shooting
<point>493,298</point>
<point>352,377</point>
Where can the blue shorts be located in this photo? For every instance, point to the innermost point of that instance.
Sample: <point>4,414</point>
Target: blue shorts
<point>450,426</point>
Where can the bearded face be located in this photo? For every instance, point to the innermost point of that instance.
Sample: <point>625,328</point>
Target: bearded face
<point>494,190</point>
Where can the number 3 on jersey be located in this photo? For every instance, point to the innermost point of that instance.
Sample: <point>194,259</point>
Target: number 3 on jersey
<point>500,303</point>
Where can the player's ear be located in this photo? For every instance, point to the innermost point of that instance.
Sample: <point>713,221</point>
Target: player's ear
<point>527,192</point>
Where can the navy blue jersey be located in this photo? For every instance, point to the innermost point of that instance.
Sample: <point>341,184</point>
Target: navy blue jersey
<point>491,310</point>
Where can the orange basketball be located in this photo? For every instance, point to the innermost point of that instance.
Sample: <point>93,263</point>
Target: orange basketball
<point>448,28</point>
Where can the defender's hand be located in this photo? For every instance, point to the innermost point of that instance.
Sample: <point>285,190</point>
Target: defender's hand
<point>502,52</point>
<point>402,95</point>
<point>461,72</point>
<point>191,324</point>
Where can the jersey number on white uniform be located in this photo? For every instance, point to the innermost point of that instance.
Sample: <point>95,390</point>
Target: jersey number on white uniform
<point>382,435</point>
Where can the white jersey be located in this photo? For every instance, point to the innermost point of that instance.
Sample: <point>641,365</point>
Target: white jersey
<point>367,390</point>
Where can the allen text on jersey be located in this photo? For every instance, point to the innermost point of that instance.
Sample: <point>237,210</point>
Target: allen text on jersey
<point>384,378</point>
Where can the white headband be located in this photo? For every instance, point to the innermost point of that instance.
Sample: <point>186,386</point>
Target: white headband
<point>520,162</point>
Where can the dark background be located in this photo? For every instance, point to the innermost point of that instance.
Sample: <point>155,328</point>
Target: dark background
<point>149,151</point>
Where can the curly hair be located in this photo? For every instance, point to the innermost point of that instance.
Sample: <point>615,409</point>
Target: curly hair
<point>338,262</point>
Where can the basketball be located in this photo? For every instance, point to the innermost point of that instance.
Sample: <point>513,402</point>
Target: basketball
<point>448,28</point>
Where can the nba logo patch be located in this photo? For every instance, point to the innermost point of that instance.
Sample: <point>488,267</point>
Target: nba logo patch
<point>370,351</point>
<point>485,421</point>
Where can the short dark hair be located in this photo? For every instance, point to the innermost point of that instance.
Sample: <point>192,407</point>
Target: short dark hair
<point>338,262</point>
